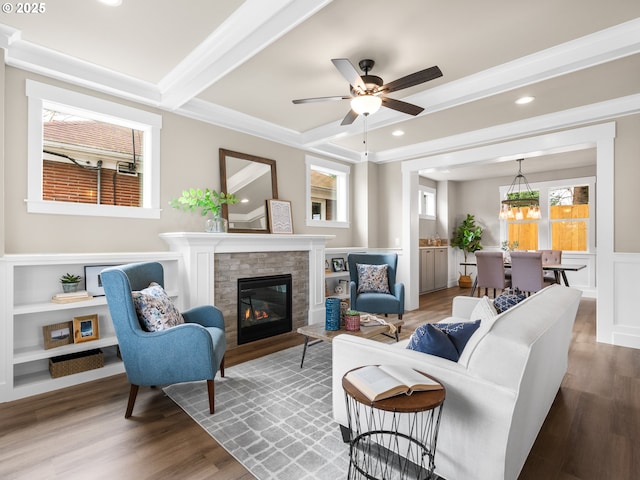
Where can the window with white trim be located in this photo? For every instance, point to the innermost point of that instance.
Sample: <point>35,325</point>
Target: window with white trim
<point>327,193</point>
<point>427,203</point>
<point>111,152</point>
<point>568,219</point>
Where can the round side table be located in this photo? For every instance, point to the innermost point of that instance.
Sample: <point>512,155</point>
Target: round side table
<point>394,438</point>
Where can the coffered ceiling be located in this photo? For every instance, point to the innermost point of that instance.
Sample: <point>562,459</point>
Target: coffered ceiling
<point>239,64</point>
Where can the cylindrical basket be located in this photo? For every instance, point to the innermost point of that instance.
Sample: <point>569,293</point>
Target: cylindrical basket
<point>332,306</point>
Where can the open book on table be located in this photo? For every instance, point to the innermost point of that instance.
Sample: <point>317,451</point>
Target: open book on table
<point>384,381</point>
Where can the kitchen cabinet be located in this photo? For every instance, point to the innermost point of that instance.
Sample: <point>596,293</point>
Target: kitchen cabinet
<point>433,268</point>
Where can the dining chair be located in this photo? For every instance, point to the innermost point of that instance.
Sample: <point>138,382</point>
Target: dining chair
<point>526,272</point>
<point>551,257</point>
<point>491,272</point>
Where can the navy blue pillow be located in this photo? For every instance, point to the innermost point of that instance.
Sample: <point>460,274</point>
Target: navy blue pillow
<point>506,300</point>
<point>432,340</point>
<point>459,333</point>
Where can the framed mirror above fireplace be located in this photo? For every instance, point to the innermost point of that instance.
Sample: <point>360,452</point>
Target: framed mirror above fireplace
<point>253,180</point>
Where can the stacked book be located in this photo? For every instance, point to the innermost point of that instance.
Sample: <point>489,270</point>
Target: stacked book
<point>78,296</point>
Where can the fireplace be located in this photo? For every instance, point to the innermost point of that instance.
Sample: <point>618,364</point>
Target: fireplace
<point>264,307</point>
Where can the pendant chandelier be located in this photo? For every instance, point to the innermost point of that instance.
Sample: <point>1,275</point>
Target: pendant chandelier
<point>518,198</point>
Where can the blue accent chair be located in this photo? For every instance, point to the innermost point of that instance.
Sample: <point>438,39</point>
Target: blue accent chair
<point>376,302</point>
<point>189,352</point>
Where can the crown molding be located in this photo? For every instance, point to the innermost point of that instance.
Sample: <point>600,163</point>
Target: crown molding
<point>565,119</point>
<point>588,51</point>
<point>279,17</point>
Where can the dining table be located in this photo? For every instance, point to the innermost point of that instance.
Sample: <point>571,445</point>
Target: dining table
<point>559,271</point>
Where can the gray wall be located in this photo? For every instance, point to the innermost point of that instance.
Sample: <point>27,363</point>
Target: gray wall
<point>481,199</point>
<point>189,157</point>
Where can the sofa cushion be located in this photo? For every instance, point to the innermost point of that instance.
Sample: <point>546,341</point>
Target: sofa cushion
<point>429,339</point>
<point>373,278</point>
<point>155,309</point>
<point>506,300</point>
<point>487,314</point>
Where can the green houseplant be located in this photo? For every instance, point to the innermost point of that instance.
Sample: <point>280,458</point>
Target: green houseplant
<point>70,282</point>
<point>467,238</point>
<point>209,202</point>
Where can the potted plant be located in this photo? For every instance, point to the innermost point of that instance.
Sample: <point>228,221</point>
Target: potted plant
<point>70,282</point>
<point>467,238</point>
<point>352,320</point>
<point>210,202</point>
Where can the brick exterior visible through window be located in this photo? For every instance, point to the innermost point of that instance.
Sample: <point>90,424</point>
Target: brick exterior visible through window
<point>66,182</point>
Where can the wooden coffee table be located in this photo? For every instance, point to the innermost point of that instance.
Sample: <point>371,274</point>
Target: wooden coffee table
<point>318,332</point>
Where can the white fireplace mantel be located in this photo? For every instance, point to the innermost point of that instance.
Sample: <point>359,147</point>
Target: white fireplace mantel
<point>198,250</point>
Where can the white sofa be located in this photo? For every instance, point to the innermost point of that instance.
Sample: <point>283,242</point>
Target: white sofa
<point>498,393</point>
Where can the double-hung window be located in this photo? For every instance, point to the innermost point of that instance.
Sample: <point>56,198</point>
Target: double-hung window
<point>327,193</point>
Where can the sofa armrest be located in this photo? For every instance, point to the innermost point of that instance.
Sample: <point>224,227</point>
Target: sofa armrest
<point>476,415</point>
<point>463,306</point>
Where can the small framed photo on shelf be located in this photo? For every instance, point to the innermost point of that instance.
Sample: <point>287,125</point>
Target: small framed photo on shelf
<point>57,335</point>
<point>338,264</point>
<point>280,220</point>
<point>93,282</point>
<point>86,328</point>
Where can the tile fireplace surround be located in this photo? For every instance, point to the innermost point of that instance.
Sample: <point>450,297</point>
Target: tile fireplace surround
<point>212,263</point>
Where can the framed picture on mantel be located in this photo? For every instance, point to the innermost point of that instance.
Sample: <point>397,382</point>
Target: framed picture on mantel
<point>280,220</point>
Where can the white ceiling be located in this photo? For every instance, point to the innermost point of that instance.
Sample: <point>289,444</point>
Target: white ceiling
<point>239,64</point>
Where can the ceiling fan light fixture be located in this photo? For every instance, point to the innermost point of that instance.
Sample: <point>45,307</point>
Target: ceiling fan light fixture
<point>366,104</point>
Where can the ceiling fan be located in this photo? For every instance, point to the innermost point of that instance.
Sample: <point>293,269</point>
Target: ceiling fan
<point>368,92</point>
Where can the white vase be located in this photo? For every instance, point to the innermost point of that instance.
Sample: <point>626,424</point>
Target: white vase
<point>216,224</point>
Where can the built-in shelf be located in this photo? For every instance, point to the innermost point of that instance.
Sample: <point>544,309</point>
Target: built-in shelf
<point>29,283</point>
<point>37,352</point>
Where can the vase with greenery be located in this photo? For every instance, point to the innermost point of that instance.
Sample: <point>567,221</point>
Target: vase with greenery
<point>467,238</point>
<point>70,282</point>
<point>210,204</point>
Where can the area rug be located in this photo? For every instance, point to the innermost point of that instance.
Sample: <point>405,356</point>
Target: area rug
<point>273,416</point>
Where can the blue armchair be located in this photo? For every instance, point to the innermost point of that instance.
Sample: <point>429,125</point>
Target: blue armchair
<point>376,302</point>
<point>188,352</point>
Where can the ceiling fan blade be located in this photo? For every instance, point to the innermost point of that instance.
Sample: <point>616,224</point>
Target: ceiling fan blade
<point>401,106</point>
<point>320,99</point>
<point>416,78</point>
<point>349,118</point>
<point>349,72</point>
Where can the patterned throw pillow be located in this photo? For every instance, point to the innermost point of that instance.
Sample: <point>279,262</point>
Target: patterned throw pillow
<point>372,278</point>
<point>506,300</point>
<point>484,310</point>
<point>429,339</point>
<point>155,309</point>
<point>459,333</point>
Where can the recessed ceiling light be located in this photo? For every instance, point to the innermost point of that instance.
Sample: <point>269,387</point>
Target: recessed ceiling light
<point>397,133</point>
<point>244,200</point>
<point>111,3</point>
<point>525,100</point>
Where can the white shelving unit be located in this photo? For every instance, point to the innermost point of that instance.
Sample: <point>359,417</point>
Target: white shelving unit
<point>28,283</point>
<point>332,278</point>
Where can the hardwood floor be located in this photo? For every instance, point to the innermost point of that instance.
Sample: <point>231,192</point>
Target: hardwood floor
<point>591,432</point>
